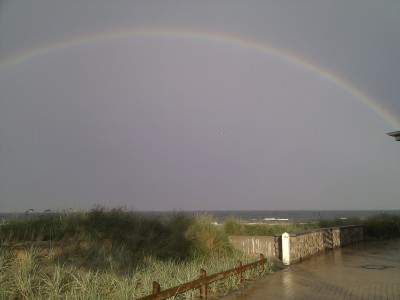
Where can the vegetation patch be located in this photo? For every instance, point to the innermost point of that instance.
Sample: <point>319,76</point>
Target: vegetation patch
<point>115,254</point>
<point>112,254</point>
<point>377,227</point>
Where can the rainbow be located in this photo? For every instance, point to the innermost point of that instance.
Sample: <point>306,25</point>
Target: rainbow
<point>366,100</point>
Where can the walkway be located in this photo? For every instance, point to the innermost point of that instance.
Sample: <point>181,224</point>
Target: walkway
<point>362,271</point>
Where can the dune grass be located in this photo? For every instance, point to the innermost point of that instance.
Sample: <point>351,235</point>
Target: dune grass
<point>128,231</point>
<point>41,276</point>
<point>111,254</point>
<point>115,254</point>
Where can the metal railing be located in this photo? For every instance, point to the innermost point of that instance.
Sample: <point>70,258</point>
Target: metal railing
<point>204,280</point>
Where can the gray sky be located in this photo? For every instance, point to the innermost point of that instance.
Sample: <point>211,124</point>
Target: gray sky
<point>165,121</point>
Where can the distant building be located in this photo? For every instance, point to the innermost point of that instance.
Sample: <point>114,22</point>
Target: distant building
<point>395,134</point>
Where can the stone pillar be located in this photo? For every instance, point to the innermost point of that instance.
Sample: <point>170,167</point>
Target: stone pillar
<point>286,248</point>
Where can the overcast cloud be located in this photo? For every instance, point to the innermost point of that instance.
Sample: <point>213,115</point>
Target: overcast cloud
<point>167,122</point>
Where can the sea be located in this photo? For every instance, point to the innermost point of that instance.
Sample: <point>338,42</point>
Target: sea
<point>252,216</point>
<point>284,216</point>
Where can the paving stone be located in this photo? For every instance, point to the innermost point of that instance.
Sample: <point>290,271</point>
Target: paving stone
<point>362,271</point>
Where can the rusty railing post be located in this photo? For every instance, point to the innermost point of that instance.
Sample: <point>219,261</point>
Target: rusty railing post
<point>203,280</point>
<point>156,288</point>
<point>203,287</point>
<point>261,270</point>
<point>239,274</point>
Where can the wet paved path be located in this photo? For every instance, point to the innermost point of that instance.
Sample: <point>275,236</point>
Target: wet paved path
<point>362,271</point>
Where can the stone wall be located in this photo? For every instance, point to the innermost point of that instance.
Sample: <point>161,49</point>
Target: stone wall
<point>310,242</point>
<point>254,245</point>
<point>351,234</point>
<point>302,244</point>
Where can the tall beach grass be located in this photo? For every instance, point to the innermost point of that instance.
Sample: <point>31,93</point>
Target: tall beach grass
<point>117,254</point>
<point>111,254</point>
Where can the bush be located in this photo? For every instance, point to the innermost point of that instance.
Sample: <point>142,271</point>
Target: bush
<point>178,237</point>
<point>234,226</point>
<point>382,226</point>
<point>41,227</point>
<point>141,236</point>
<point>207,239</point>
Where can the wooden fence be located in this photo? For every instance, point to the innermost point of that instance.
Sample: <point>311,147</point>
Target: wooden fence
<point>203,280</point>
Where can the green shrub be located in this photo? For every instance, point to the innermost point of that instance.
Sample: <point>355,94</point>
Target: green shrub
<point>382,226</point>
<point>234,226</point>
<point>39,276</point>
<point>208,239</point>
<point>41,227</point>
<point>178,237</point>
<point>170,250</point>
<point>141,236</point>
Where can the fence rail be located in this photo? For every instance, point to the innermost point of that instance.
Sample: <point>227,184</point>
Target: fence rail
<point>203,280</point>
